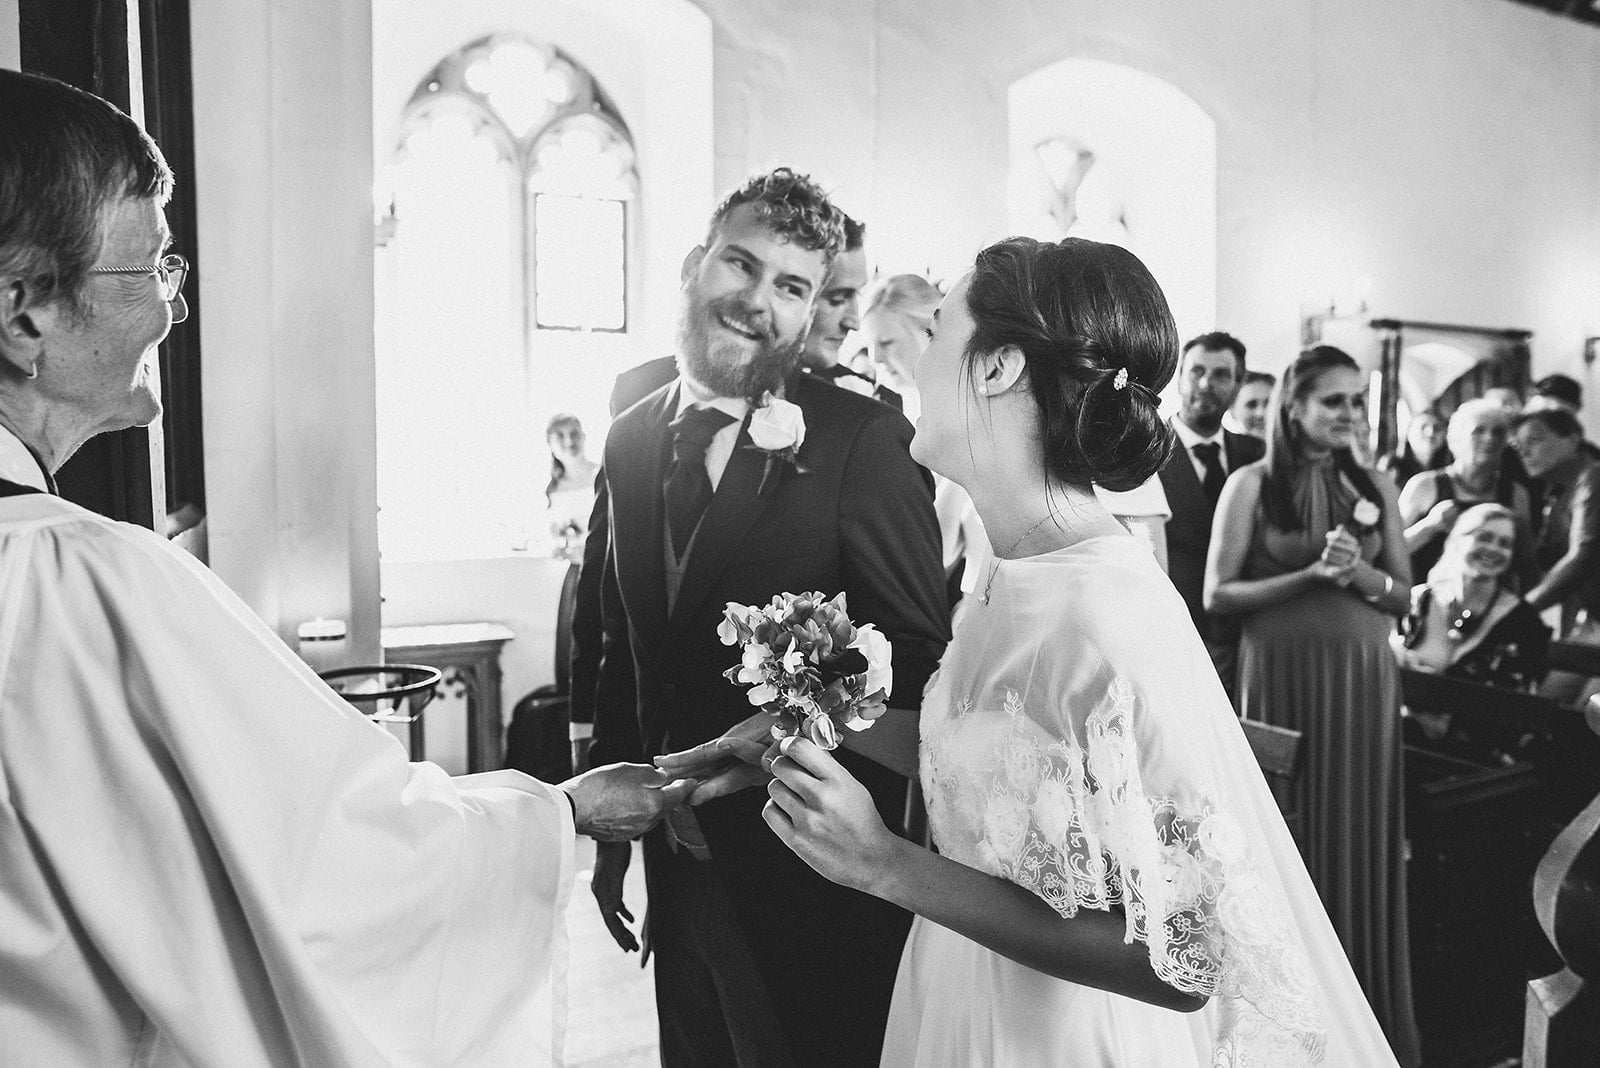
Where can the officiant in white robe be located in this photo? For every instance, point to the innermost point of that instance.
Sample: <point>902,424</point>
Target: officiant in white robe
<point>206,857</point>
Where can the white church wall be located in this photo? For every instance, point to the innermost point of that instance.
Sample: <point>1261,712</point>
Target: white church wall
<point>283,112</point>
<point>10,37</point>
<point>1444,159</point>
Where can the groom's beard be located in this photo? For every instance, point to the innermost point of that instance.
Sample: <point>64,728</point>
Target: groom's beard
<point>725,364</point>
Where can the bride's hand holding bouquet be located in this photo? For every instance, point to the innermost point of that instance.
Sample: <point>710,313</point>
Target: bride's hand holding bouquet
<point>813,672</point>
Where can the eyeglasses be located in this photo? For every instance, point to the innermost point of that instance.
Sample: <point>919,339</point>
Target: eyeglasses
<point>172,270</point>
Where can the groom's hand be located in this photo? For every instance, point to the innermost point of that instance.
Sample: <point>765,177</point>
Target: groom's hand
<point>622,801</point>
<point>610,868</point>
<point>734,761</point>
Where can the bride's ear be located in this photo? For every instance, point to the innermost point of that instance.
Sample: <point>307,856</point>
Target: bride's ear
<point>999,370</point>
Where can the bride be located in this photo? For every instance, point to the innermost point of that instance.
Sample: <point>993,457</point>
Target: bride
<point>1108,850</point>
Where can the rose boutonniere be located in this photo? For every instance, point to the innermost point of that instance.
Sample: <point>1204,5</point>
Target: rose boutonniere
<point>777,428</point>
<point>1363,518</point>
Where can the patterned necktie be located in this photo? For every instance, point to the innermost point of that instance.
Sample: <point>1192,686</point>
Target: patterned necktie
<point>688,490</point>
<point>1209,453</point>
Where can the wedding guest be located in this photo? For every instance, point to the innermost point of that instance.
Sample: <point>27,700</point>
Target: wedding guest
<point>206,856</point>
<point>1567,547</point>
<point>1505,398</point>
<point>838,314</point>
<point>1564,392</point>
<point>590,642</point>
<point>1425,448</point>
<point>1308,551</point>
<point>569,495</point>
<point>1465,621</point>
<point>896,327</point>
<point>1107,849</point>
<point>1431,502</point>
<point>1249,412</point>
<point>719,493</point>
<point>1209,373</point>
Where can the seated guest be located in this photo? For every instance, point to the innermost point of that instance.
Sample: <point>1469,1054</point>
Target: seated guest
<point>1465,622</point>
<point>206,856</point>
<point>1567,546</point>
<point>1249,412</point>
<point>1431,502</point>
<point>1424,449</point>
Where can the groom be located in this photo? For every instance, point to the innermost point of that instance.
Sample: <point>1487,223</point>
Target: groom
<point>758,959</point>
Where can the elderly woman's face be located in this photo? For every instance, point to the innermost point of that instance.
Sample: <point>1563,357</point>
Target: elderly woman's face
<point>101,363</point>
<point>1486,549</point>
<point>895,346</point>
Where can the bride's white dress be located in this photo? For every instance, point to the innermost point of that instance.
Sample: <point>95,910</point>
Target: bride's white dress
<point>1076,742</point>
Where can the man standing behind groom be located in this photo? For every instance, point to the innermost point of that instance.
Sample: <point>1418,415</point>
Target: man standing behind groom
<point>1209,376</point>
<point>758,959</point>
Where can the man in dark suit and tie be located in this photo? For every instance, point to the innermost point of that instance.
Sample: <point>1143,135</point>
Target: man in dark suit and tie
<point>758,959</point>
<point>1209,376</point>
<point>838,312</point>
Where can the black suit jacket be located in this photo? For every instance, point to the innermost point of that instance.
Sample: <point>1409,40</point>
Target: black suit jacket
<point>856,516</point>
<point>588,636</point>
<point>1189,529</point>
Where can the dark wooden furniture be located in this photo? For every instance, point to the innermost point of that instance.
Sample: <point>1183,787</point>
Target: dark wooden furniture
<point>1277,751</point>
<point>1562,1022</point>
<point>1483,802</point>
<point>474,648</point>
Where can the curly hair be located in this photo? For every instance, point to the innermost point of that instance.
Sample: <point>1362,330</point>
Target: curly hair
<point>65,156</point>
<point>793,205</point>
<point>1086,316</point>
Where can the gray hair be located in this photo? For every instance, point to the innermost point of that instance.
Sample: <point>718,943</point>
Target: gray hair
<point>65,158</point>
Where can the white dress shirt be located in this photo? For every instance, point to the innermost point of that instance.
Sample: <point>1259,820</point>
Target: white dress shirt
<point>720,451</point>
<point>1189,439</point>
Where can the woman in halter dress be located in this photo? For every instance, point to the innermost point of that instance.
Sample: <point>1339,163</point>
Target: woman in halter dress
<point>1108,851</point>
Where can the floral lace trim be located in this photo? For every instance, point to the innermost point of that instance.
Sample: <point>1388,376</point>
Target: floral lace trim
<point>1072,824</point>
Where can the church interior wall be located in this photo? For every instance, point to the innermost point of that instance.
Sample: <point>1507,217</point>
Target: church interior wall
<point>1435,161</point>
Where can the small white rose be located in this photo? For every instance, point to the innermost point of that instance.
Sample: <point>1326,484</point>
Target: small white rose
<point>1366,513</point>
<point>1222,839</point>
<point>1053,808</point>
<point>822,731</point>
<point>1005,827</point>
<point>1246,912</point>
<point>879,652</point>
<point>777,425</point>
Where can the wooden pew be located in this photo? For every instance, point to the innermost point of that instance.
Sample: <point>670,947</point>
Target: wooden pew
<point>1482,805</point>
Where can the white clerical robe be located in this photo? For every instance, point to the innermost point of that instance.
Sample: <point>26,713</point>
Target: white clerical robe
<point>207,858</point>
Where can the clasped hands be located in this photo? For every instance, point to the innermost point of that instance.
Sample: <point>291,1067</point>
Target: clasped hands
<point>1339,560</point>
<point>622,801</point>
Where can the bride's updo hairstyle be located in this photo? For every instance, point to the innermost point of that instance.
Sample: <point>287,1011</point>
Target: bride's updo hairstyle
<point>1081,312</point>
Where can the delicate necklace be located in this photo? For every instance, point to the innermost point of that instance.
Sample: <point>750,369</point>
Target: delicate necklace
<point>983,598</point>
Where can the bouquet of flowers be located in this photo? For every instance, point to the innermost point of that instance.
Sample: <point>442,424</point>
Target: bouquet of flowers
<point>808,665</point>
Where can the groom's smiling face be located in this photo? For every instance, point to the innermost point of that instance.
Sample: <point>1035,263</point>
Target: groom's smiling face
<point>747,301</point>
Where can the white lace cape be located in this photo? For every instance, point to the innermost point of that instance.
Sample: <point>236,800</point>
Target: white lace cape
<point>1091,762</point>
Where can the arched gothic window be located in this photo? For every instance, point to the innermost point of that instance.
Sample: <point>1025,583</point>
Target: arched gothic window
<point>505,222</point>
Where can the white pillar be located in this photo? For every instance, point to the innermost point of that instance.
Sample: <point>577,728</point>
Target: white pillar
<point>283,114</point>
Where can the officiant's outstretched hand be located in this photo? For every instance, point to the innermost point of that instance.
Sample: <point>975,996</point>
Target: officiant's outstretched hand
<point>620,802</point>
